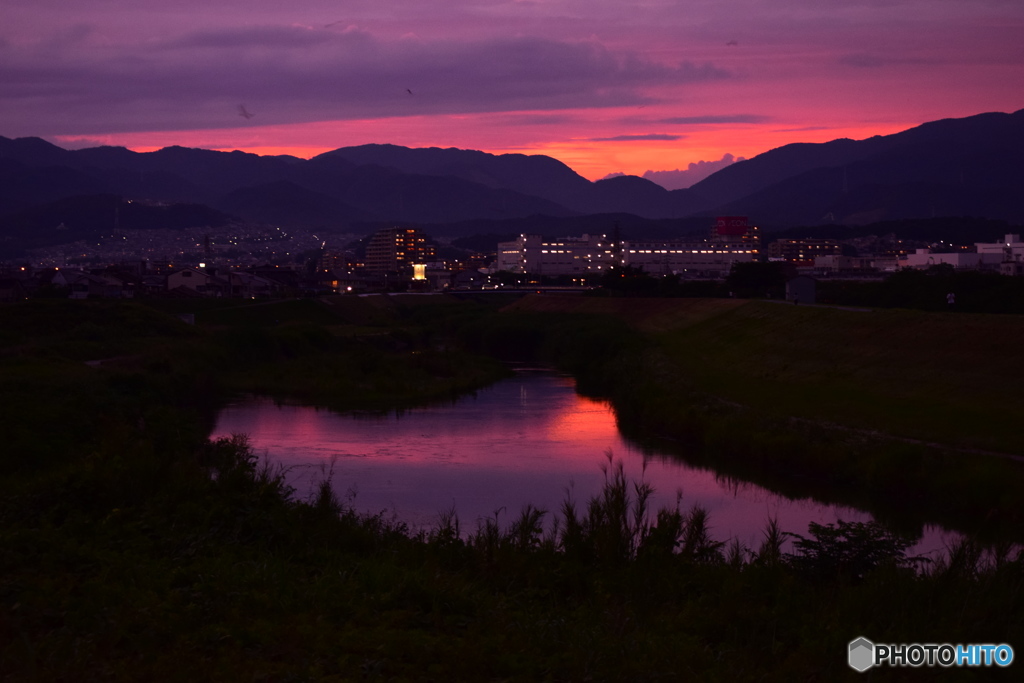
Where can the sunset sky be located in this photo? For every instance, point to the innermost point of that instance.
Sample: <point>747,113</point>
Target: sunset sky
<point>604,86</point>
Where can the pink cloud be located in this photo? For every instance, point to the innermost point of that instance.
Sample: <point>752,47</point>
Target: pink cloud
<point>596,81</point>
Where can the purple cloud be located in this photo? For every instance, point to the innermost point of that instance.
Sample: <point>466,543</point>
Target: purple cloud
<point>640,138</point>
<point>714,118</point>
<point>295,74</point>
<point>873,61</point>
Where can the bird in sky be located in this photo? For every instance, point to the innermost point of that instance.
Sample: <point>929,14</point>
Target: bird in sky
<point>244,113</point>
<point>733,43</point>
<point>408,91</point>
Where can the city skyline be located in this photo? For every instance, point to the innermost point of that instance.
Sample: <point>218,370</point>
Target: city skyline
<point>604,87</point>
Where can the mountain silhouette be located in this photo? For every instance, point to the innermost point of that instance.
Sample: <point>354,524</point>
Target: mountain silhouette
<point>91,217</point>
<point>971,166</point>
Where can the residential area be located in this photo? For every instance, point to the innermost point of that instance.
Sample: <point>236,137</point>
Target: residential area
<point>408,259</point>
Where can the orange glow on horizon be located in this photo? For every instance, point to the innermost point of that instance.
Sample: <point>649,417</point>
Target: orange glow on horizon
<point>594,160</point>
<point>584,151</point>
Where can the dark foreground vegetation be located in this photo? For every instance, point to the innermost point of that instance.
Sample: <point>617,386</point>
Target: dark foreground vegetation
<point>973,291</point>
<point>131,548</point>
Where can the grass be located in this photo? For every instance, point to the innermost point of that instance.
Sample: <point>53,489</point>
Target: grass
<point>244,583</point>
<point>133,549</point>
<point>936,377</point>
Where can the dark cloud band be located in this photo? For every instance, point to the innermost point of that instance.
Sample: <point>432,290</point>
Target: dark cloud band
<point>296,75</point>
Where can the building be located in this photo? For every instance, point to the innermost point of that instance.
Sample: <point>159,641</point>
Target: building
<point>101,286</point>
<point>970,260</point>
<point>802,252</point>
<point>586,255</point>
<point>736,230</point>
<point>838,264</point>
<point>1012,268</point>
<point>693,259</point>
<point>396,249</point>
<point>802,290</point>
<point>732,240</point>
<point>335,260</point>
<point>1012,250</point>
<point>250,286</point>
<point>198,282</point>
<point>855,266</point>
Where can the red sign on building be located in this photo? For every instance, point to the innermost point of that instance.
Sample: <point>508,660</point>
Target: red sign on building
<point>731,225</point>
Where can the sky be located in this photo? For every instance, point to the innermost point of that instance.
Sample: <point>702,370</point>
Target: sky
<point>673,89</point>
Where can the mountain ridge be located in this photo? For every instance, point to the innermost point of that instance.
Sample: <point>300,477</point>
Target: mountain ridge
<point>971,166</point>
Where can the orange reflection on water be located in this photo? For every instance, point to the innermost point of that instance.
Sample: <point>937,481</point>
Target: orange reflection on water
<point>526,440</point>
<point>585,417</point>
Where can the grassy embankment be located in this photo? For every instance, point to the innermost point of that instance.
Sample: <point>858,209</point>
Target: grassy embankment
<point>894,410</point>
<point>344,352</point>
<point>75,373</point>
<point>130,549</point>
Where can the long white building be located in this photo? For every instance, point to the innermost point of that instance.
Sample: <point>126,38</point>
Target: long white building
<point>593,254</point>
<point>586,255</point>
<point>692,259</point>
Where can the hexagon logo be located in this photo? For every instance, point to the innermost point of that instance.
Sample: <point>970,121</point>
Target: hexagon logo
<point>862,654</point>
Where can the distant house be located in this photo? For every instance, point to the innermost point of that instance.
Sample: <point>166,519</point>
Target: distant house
<point>469,279</point>
<point>189,278</point>
<point>153,285</point>
<point>832,264</point>
<point>61,277</point>
<point>287,278</point>
<point>89,286</point>
<point>95,285</point>
<point>802,290</point>
<point>343,281</point>
<point>120,285</point>
<point>248,285</point>
<point>437,278</point>
<point>199,282</point>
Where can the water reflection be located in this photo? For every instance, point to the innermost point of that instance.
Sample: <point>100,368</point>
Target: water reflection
<point>529,439</point>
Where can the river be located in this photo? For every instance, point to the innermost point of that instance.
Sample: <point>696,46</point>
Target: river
<point>528,439</point>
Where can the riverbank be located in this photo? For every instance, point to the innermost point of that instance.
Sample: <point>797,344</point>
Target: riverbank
<point>935,377</point>
<point>892,411</point>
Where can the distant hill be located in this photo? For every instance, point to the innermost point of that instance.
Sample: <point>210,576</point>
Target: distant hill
<point>536,175</point>
<point>92,217</point>
<point>23,186</point>
<point>540,176</point>
<point>284,203</point>
<point>955,167</point>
